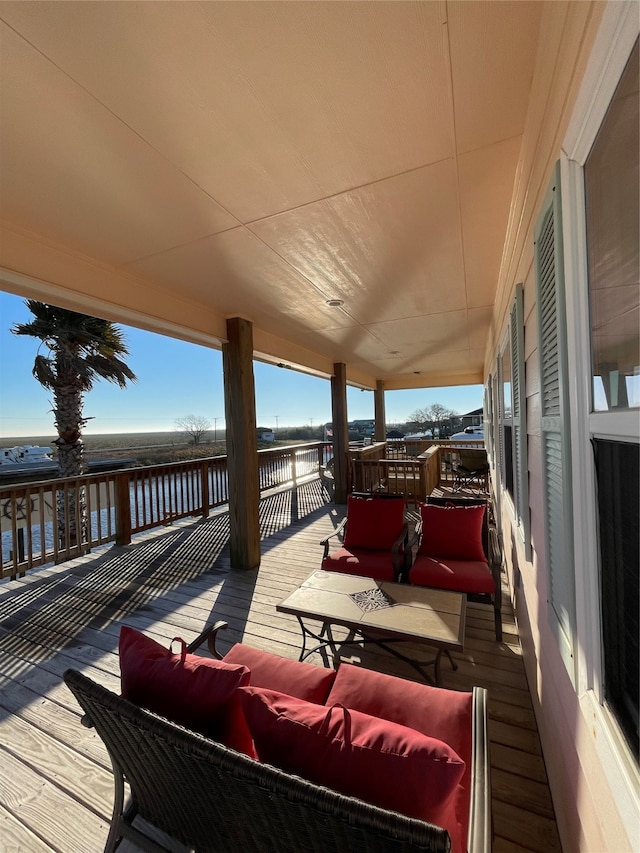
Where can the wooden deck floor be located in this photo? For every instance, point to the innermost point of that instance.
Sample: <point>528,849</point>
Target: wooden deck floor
<point>55,781</point>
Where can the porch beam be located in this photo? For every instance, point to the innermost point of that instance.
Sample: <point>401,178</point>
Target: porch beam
<point>242,444</point>
<point>340,430</point>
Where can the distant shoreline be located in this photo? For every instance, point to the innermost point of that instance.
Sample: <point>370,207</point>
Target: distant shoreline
<point>117,441</point>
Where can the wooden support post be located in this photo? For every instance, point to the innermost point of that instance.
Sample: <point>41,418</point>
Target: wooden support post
<point>379,412</point>
<point>242,445</point>
<point>340,431</point>
<point>204,488</point>
<point>123,509</point>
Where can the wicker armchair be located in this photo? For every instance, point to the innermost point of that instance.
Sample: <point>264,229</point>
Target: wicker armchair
<point>211,798</point>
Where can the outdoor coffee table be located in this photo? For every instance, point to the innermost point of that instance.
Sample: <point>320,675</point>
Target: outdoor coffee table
<point>381,613</point>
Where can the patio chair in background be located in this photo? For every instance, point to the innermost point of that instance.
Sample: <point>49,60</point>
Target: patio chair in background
<point>472,469</point>
<point>459,550</point>
<point>375,538</point>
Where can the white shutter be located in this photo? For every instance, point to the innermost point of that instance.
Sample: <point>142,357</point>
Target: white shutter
<point>519,403</point>
<point>500,420</point>
<point>556,453</point>
<point>488,419</point>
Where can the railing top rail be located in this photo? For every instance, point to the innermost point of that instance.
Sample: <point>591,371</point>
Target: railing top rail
<point>60,482</point>
<point>305,445</point>
<point>117,503</point>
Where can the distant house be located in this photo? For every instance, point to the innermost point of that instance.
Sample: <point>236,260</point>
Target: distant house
<point>363,427</point>
<point>474,418</point>
<point>265,434</point>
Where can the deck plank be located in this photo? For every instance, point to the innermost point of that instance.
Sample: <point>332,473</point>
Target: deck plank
<point>173,583</point>
<point>16,837</point>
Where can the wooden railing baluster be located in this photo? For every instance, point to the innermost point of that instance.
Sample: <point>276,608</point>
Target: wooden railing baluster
<point>122,503</point>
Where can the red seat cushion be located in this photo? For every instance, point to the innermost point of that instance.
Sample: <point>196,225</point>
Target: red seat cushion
<point>458,575</point>
<point>198,693</point>
<point>453,532</point>
<point>373,523</point>
<point>302,680</point>
<point>358,755</point>
<point>368,564</point>
<point>433,711</point>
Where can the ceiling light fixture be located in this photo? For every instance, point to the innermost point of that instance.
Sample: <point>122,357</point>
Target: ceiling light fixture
<point>335,303</point>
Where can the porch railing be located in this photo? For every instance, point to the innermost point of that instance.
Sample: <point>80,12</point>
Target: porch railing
<point>382,467</point>
<point>56,520</point>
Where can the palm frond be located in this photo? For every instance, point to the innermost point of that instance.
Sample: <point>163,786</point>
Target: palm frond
<point>44,372</point>
<point>111,368</point>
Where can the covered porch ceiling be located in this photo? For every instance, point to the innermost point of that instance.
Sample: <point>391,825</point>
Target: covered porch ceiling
<point>173,164</point>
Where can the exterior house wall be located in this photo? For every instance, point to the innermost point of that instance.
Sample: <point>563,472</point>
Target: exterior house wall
<point>593,813</point>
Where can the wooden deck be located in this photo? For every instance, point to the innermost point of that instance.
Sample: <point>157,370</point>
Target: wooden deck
<point>55,783</point>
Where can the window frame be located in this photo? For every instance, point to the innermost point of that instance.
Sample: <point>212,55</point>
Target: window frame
<point>614,42</point>
<point>502,421</point>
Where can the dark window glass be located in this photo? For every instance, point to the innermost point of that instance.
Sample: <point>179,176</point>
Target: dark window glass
<point>507,437</point>
<point>618,477</point>
<point>507,420</point>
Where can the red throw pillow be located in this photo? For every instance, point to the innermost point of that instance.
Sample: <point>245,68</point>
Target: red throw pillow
<point>373,523</point>
<point>382,763</point>
<point>452,531</point>
<point>434,711</point>
<point>302,680</point>
<point>198,693</point>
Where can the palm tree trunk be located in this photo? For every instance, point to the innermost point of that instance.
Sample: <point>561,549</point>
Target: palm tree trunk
<point>72,510</point>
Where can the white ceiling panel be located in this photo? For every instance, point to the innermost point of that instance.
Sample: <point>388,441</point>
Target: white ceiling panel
<point>73,171</point>
<point>260,158</point>
<point>493,48</point>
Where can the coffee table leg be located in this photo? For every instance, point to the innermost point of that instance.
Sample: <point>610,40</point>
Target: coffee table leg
<point>324,639</point>
<point>436,668</point>
<point>388,644</point>
<point>437,675</point>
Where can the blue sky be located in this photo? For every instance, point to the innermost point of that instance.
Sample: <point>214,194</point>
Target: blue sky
<point>177,379</point>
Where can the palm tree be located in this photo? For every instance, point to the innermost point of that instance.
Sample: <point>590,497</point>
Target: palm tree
<point>81,349</point>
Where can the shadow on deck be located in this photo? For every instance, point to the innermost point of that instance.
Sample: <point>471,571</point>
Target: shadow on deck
<point>55,791</point>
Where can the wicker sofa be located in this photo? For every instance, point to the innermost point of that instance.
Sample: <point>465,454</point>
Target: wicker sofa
<point>211,797</point>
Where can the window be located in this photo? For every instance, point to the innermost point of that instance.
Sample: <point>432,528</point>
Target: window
<point>612,229</point>
<point>518,419</point>
<point>506,432</point>
<point>600,491</point>
<point>611,201</point>
<point>488,418</point>
<point>512,431</point>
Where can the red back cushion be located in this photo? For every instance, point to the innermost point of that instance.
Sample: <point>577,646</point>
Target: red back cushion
<point>303,680</point>
<point>380,762</point>
<point>373,523</point>
<point>452,531</point>
<point>198,693</point>
<point>438,713</point>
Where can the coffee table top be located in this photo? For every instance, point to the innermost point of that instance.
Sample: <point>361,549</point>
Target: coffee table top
<point>395,609</point>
